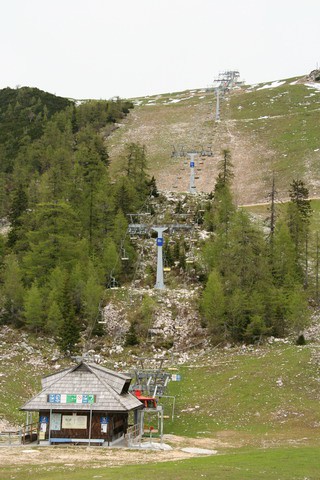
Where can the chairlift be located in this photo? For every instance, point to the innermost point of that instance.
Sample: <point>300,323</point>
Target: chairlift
<point>113,284</point>
<point>189,260</point>
<point>124,256</point>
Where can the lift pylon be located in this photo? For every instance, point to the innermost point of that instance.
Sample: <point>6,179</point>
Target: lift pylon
<point>159,282</point>
<point>192,187</point>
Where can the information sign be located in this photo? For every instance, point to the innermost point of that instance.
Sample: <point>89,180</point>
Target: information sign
<point>55,421</point>
<point>104,420</point>
<point>71,398</point>
<point>74,421</point>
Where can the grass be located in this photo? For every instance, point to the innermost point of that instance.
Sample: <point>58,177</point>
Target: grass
<point>229,390</point>
<point>239,392</point>
<point>277,127</point>
<point>284,119</point>
<point>283,463</point>
<point>24,360</point>
<point>161,125</point>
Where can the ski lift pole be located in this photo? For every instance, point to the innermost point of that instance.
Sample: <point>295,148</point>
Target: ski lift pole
<point>159,282</point>
<point>192,188</point>
<point>218,105</point>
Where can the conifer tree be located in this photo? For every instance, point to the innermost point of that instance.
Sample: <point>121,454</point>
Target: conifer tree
<point>213,304</point>
<point>18,207</point>
<point>13,291</point>
<point>298,216</point>
<point>33,308</point>
<point>69,333</point>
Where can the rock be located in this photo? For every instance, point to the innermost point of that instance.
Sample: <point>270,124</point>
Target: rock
<point>279,382</point>
<point>314,76</point>
<point>199,451</point>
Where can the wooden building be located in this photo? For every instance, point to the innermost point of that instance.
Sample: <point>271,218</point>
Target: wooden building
<point>86,403</point>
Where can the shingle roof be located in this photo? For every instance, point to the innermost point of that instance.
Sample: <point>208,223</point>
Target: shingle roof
<point>110,390</point>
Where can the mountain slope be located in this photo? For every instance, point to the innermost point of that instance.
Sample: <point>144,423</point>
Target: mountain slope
<point>267,127</point>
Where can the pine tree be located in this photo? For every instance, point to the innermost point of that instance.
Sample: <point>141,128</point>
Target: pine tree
<point>53,240</point>
<point>298,216</point>
<point>213,304</point>
<point>18,207</point>
<point>54,320</point>
<point>33,308</point>
<point>69,333</point>
<point>13,291</point>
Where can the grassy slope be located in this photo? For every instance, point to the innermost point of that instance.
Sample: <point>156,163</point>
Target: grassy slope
<point>239,392</point>
<point>24,360</point>
<point>159,124</point>
<point>269,129</point>
<point>233,390</point>
<point>284,119</point>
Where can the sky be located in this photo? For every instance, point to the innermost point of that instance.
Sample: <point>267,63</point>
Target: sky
<point>130,48</point>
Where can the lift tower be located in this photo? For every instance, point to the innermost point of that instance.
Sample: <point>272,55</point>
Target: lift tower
<point>192,155</point>
<point>217,104</point>
<point>159,283</point>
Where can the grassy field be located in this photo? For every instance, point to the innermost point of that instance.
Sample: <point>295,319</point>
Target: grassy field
<point>273,464</point>
<point>251,394</point>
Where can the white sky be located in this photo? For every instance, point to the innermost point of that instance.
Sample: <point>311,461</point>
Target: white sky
<point>102,48</point>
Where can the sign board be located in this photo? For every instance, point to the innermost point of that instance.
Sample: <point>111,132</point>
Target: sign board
<point>175,377</point>
<point>74,421</point>
<point>43,419</point>
<point>43,427</point>
<point>192,164</point>
<point>55,421</point>
<point>159,242</point>
<point>104,420</point>
<point>70,398</point>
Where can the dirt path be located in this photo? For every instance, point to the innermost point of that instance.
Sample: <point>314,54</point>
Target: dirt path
<point>70,456</point>
<point>96,456</point>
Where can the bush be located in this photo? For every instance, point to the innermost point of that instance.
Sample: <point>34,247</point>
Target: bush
<point>301,340</point>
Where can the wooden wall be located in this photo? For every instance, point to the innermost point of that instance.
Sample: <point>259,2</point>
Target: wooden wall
<point>118,423</point>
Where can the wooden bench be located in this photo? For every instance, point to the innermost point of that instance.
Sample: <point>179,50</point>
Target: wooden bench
<point>75,441</point>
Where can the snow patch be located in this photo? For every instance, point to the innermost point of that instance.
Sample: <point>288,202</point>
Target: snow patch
<point>316,86</point>
<point>176,100</point>
<point>272,85</point>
